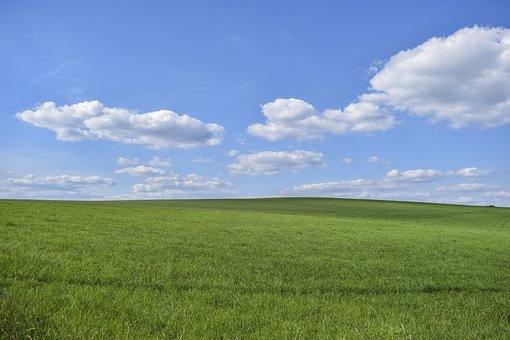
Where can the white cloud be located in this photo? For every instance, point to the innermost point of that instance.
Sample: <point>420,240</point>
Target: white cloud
<point>346,160</point>
<point>140,171</point>
<point>93,120</point>
<point>347,187</point>
<point>53,185</point>
<point>202,160</point>
<point>42,193</point>
<point>287,110</point>
<point>465,199</point>
<point>233,153</point>
<point>470,172</point>
<point>461,79</point>
<point>159,162</point>
<point>375,159</point>
<point>174,185</point>
<point>417,175</point>
<point>462,187</point>
<point>271,162</point>
<point>127,161</point>
<point>498,194</point>
<point>394,179</point>
<point>295,118</point>
<point>362,117</point>
<point>409,185</point>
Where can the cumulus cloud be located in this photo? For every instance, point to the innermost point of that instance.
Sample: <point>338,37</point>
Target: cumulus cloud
<point>375,159</point>
<point>409,185</point>
<point>271,162</point>
<point>295,118</point>
<point>346,160</point>
<point>175,185</point>
<point>462,187</point>
<point>360,187</point>
<point>462,79</point>
<point>347,190</point>
<point>140,171</point>
<point>127,161</point>
<point>156,161</point>
<point>50,186</point>
<point>417,175</point>
<point>470,172</point>
<point>93,120</point>
<point>465,199</point>
<point>498,194</point>
<point>347,187</point>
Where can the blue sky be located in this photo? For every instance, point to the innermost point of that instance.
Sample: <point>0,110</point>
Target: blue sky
<point>386,100</point>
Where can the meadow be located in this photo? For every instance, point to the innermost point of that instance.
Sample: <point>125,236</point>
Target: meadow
<point>258,268</point>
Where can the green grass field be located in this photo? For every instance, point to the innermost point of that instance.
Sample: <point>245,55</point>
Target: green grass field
<point>271,268</point>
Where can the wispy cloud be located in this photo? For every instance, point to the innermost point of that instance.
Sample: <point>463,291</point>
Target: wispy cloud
<point>56,72</point>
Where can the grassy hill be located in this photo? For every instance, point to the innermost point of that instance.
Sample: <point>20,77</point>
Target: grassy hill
<point>295,267</point>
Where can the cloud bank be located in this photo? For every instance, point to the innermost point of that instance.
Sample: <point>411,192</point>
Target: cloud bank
<point>394,179</point>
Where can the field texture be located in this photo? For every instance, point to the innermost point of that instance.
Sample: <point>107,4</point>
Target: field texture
<point>271,268</point>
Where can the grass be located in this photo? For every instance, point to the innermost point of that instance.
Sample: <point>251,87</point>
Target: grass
<point>270,268</point>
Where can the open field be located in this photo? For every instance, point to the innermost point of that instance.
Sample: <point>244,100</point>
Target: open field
<point>253,268</point>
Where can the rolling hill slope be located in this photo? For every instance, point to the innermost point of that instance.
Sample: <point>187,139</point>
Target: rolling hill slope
<point>289,267</point>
